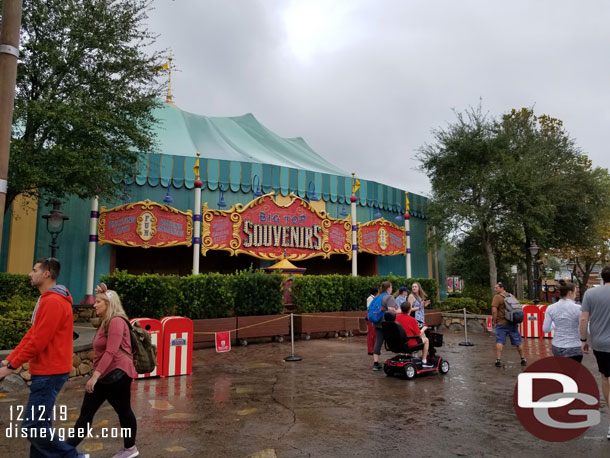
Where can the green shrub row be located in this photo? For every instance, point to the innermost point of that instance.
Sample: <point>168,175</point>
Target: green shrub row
<point>335,293</point>
<point>249,292</point>
<point>457,304</point>
<point>15,315</point>
<point>12,285</point>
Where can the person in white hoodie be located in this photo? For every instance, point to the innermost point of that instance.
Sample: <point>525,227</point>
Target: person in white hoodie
<point>564,317</point>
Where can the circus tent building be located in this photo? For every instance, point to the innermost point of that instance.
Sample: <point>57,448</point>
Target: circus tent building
<point>262,197</point>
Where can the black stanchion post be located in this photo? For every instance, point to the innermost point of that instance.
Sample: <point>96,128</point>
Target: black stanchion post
<point>292,356</point>
<point>466,343</point>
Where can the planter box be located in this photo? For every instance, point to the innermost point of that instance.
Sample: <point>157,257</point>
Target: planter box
<point>356,322</point>
<point>212,325</point>
<point>274,328</point>
<point>433,317</point>
<point>320,322</point>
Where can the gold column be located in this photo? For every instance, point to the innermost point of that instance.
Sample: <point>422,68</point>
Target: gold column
<point>23,235</point>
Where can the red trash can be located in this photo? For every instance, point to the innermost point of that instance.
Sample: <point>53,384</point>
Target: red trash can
<point>154,328</point>
<point>531,322</point>
<point>177,346</point>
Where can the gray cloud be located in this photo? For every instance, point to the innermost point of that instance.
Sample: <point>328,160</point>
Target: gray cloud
<point>370,78</point>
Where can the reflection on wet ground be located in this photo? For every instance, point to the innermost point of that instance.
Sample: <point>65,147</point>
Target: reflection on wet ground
<point>249,402</point>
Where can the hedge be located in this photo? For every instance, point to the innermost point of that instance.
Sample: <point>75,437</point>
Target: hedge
<point>334,293</point>
<point>16,313</point>
<point>12,285</point>
<point>245,293</point>
<point>457,304</point>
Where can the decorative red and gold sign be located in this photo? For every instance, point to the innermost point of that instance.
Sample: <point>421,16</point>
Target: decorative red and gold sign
<point>145,224</point>
<point>381,237</point>
<point>266,229</point>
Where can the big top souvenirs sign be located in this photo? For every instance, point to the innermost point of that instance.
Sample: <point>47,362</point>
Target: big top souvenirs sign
<point>145,224</point>
<point>381,237</point>
<point>266,229</point>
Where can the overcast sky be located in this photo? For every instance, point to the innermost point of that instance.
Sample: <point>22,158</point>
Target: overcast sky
<point>365,81</point>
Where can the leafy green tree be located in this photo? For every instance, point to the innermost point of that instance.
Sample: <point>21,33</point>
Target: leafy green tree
<point>552,193</point>
<point>512,181</point>
<point>464,167</point>
<point>85,92</point>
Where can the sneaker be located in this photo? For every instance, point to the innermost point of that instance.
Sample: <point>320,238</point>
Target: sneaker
<point>498,363</point>
<point>523,362</point>
<point>127,453</point>
<point>427,365</point>
<point>608,435</point>
<point>83,455</point>
<point>376,367</point>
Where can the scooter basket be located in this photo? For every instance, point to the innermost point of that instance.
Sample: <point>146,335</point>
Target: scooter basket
<point>437,339</point>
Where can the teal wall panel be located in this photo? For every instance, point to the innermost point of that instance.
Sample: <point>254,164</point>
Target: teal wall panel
<point>266,178</point>
<point>224,174</point>
<point>394,265</point>
<point>246,176</point>
<point>294,181</point>
<point>333,187</point>
<point>235,178</point>
<point>167,168</point>
<point>275,178</point>
<point>6,232</point>
<point>284,181</point>
<point>302,184</point>
<point>213,174</point>
<point>154,169</point>
<point>178,174</point>
<point>257,176</point>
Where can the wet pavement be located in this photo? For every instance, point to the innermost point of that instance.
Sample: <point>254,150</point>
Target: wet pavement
<point>249,402</point>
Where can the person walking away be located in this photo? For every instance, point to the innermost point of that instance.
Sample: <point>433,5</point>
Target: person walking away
<point>370,335</point>
<point>504,327</point>
<point>596,316</point>
<point>564,317</point>
<point>48,347</point>
<point>418,302</point>
<point>387,304</point>
<point>113,371</point>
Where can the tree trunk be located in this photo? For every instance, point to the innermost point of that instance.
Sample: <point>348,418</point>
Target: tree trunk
<point>491,260</point>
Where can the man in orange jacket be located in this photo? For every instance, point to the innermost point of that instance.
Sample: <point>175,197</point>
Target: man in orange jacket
<point>48,347</point>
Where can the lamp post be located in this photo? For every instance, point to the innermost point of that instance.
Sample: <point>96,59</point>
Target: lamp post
<point>534,251</point>
<point>55,224</point>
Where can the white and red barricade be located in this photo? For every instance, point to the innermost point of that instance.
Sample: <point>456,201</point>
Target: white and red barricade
<point>531,326</point>
<point>548,335</point>
<point>177,346</point>
<point>154,328</point>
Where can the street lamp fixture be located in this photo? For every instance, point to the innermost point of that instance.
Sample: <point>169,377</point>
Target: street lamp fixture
<point>55,224</point>
<point>534,251</point>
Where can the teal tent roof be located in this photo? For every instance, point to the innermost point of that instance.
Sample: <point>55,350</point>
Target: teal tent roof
<point>240,154</point>
<point>239,138</point>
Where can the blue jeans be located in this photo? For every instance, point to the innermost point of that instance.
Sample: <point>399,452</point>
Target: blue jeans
<point>43,393</point>
<point>512,330</point>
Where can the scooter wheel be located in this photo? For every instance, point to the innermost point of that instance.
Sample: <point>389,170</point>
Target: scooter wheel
<point>409,371</point>
<point>444,366</point>
<point>389,371</point>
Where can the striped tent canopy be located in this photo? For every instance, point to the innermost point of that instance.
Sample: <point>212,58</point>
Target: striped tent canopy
<point>240,153</point>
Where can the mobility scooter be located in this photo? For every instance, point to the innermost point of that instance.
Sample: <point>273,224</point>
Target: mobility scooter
<point>404,363</point>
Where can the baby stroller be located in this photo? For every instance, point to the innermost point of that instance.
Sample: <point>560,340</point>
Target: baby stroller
<point>403,363</point>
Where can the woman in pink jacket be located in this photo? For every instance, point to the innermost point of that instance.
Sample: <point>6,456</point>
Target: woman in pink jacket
<point>113,371</point>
